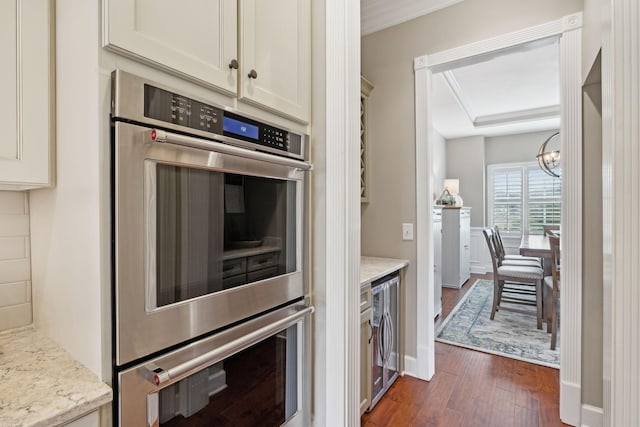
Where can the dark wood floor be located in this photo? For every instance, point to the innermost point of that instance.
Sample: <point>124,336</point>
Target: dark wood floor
<point>471,388</point>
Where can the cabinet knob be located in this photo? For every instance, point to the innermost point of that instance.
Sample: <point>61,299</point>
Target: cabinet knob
<point>253,74</point>
<point>233,64</point>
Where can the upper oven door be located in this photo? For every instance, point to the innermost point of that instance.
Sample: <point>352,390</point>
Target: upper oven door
<point>203,238</point>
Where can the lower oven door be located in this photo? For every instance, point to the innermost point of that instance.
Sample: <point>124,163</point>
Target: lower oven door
<point>250,375</point>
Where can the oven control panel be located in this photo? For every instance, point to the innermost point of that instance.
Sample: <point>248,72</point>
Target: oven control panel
<point>169,107</point>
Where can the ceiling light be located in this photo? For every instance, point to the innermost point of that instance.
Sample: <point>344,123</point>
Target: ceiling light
<point>549,155</point>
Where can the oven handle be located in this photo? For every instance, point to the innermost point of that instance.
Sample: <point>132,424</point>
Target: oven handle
<point>160,376</point>
<point>161,136</point>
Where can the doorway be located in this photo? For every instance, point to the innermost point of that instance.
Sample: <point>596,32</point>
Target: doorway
<point>568,30</point>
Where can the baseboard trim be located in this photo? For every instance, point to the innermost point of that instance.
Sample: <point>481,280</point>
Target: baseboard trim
<point>480,269</point>
<point>570,403</point>
<point>410,366</point>
<point>592,416</point>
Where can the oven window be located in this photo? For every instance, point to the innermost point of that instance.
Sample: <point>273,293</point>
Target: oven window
<point>256,387</point>
<point>216,230</point>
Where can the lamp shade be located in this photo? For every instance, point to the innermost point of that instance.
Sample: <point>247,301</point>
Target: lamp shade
<point>452,185</point>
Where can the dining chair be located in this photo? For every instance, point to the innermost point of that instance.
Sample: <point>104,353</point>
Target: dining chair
<point>514,284</point>
<point>515,259</point>
<point>551,291</point>
<point>549,227</point>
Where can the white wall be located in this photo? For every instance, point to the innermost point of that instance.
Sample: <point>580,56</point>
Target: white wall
<point>15,267</point>
<point>465,161</point>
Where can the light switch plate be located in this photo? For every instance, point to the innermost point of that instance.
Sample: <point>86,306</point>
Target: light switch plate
<point>407,231</point>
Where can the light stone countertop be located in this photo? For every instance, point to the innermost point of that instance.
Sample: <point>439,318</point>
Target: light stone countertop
<point>41,384</point>
<point>372,268</point>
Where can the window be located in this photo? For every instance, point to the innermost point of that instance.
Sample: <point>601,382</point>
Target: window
<point>522,198</point>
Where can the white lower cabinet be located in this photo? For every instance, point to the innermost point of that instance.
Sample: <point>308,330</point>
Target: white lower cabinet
<point>26,87</point>
<point>90,420</point>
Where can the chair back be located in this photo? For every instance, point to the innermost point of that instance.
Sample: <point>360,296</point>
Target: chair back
<point>549,227</point>
<point>498,243</point>
<point>489,236</point>
<point>554,242</point>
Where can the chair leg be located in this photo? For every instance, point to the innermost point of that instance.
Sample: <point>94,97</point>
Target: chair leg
<point>496,296</point>
<point>539,303</point>
<point>554,327</point>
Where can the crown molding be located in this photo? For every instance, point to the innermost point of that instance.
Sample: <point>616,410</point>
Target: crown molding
<point>527,115</point>
<point>385,14</point>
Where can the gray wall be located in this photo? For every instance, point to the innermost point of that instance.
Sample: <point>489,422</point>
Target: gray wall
<point>515,148</point>
<point>465,161</point>
<point>387,61</point>
<point>439,163</point>
<point>592,291</point>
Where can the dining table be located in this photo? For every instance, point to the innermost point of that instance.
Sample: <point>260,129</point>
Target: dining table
<point>536,245</point>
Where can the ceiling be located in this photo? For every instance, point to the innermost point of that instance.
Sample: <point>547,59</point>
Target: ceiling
<point>376,15</point>
<point>517,92</point>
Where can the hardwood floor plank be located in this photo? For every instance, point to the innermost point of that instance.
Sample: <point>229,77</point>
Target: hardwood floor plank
<point>527,417</point>
<point>480,414</point>
<point>502,409</point>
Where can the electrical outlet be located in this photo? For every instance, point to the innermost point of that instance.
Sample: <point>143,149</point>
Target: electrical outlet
<point>407,231</point>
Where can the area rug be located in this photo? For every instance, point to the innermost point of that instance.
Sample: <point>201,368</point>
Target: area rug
<point>510,334</point>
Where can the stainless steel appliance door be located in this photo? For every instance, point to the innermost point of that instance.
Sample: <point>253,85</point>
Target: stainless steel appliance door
<point>175,278</point>
<point>384,370</point>
<point>252,374</point>
<point>378,349</point>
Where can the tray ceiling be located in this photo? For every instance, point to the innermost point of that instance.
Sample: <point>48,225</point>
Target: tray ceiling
<point>517,92</point>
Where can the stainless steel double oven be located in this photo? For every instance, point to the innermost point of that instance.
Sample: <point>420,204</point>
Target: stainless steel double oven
<point>210,280</point>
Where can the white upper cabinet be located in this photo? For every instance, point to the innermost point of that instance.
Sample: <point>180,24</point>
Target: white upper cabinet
<point>198,40</point>
<point>276,48</point>
<point>26,90</point>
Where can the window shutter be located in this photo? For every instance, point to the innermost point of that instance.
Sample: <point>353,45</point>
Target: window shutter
<point>544,199</point>
<point>507,199</point>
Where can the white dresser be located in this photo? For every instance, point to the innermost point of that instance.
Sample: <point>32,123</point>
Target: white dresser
<point>456,246</point>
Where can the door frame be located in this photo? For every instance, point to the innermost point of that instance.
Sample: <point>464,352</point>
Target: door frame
<point>569,31</point>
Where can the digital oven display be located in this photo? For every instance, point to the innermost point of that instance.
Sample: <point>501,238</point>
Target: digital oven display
<point>240,128</point>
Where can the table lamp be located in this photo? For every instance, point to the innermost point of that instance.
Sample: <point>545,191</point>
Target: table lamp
<point>453,187</point>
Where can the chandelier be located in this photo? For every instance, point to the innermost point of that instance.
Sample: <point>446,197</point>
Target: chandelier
<point>549,155</point>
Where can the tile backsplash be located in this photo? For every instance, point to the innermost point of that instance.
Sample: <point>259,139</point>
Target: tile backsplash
<point>15,263</point>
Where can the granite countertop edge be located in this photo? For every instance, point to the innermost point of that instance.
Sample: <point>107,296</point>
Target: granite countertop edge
<point>374,268</point>
<point>42,384</point>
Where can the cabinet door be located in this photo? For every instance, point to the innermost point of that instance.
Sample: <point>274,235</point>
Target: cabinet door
<point>276,45</point>
<point>366,332</point>
<point>437,267</point>
<point>465,246</point>
<point>26,87</point>
<point>196,39</point>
